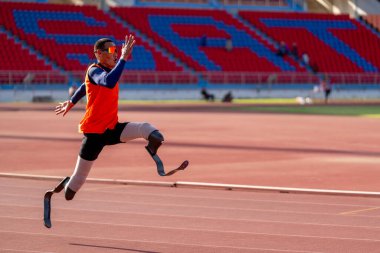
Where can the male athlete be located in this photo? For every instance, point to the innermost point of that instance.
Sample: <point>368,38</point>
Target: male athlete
<point>100,125</point>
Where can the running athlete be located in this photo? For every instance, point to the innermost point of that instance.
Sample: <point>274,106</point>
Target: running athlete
<point>100,125</point>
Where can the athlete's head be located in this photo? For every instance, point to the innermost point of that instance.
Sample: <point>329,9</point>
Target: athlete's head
<point>106,52</point>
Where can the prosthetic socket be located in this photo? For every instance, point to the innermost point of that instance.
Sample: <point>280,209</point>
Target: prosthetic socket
<point>155,141</point>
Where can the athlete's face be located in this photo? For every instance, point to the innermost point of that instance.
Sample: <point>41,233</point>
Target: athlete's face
<point>107,56</point>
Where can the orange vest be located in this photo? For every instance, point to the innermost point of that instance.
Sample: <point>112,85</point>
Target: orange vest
<point>101,108</point>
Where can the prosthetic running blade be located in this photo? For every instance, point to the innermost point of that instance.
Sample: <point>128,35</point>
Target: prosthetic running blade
<point>47,201</point>
<point>160,165</point>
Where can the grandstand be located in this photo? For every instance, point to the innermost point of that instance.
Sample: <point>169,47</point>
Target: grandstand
<point>54,40</point>
<point>336,43</point>
<point>179,31</point>
<point>65,34</point>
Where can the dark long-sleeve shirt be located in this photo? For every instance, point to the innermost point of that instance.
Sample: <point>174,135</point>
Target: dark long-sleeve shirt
<point>100,76</point>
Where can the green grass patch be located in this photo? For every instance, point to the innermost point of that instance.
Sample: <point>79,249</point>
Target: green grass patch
<point>290,101</point>
<point>365,111</point>
<point>274,101</point>
<point>152,102</point>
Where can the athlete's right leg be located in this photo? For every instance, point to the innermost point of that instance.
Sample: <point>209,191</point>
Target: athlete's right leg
<point>134,130</point>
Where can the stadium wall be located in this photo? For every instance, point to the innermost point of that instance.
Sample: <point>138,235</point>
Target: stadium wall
<point>146,92</point>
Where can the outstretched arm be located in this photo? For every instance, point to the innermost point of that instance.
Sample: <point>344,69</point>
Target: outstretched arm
<point>109,80</point>
<point>66,106</point>
<point>126,50</point>
<point>79,94</point>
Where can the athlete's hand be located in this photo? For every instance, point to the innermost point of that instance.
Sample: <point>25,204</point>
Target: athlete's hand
<point>126,50</point>
<point>63,107</point>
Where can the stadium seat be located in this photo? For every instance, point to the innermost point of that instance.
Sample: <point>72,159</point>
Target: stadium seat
<point>65,34</point>
<point>335,43</point>
<point>180,31</point>
<point>18,58</point>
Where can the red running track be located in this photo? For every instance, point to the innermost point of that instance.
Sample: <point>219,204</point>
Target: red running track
<point>122,218</point>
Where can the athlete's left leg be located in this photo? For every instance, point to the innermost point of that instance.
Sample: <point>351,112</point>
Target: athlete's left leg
<point>70,184</point>
<point>92,145</point>
<point>134,130</point>
<point>47,200</point>
<point>78,178</point>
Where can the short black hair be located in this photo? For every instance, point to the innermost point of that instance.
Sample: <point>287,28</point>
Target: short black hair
<point>100,43</point>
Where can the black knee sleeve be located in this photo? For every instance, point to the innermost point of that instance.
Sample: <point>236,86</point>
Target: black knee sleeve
<point>69,194</point>
<point>155,140</point>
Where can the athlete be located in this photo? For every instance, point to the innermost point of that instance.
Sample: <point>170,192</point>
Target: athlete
<point>100,125</point>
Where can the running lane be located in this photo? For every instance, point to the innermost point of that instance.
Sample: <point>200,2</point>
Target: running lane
<point>123,218</point>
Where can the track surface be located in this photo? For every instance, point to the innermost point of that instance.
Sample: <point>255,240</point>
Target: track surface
<point>304,151</point>
<point>106,218</point>
<point>322,152</point>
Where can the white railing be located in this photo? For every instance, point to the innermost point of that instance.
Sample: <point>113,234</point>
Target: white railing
<point>33,77</point>
<point>258,78</point>
<point>175,1</point>
<point>289,78</point>
<point>183,78</point>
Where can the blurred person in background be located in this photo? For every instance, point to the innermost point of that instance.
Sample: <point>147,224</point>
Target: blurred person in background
<point>325,87</point>
<point>282,49</point>
<point>207,96</point>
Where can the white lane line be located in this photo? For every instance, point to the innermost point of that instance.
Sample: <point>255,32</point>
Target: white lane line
<point>202,217</point>
<point>197,229</point>
<point>96,189</point>
<point>278,189</point>
<point>233,199</point>
<point>28,251</point>
<point>200,206</point>
<point>142,202</point>
<point>213,231</point>
<point>100,189</point>
<point>154,242</point>
<point>360,210</point>
<point>92,180</point>
<point>215,186</point>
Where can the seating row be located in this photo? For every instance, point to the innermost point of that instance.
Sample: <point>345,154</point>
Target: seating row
<point>182,40</point>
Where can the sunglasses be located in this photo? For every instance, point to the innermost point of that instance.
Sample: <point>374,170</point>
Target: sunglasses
<point>110,50</point>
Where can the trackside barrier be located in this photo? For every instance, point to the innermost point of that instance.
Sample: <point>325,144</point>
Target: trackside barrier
<point>25,79</point>
<point>211,186</point>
